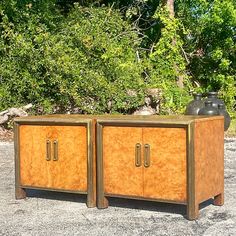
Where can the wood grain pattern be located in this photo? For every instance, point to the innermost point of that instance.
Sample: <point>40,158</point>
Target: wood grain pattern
<point>209,158</point>
<point>69,172</point>
<point>166,176</point>
<point>121,176</point>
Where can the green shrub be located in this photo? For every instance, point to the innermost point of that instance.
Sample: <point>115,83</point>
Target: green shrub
<point>62,56</point>
<point>87,62</point>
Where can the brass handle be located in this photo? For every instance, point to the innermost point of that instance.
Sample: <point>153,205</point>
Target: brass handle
<point>55,150</point>
<point>146,155</point>
<point>48,150</point>
<point>138,155</point>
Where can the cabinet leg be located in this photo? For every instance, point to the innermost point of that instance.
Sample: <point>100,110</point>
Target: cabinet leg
<point>219,199</point>
<point>192,211</point>
<point>102,203</point>
<point>20,193</point>
<point>91,201</point>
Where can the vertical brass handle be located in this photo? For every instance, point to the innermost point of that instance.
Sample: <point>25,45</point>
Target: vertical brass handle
<point>48,150</point>
<point>55,150</point>
<point>138,155</point>
<point>146,155</point>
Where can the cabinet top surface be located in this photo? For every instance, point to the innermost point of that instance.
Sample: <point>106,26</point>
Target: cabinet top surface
<point>115,118</point>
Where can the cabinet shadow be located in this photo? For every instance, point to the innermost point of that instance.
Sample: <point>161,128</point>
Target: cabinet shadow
<point>61,196</point>
<point>116,202</point>
<point>153,206</point>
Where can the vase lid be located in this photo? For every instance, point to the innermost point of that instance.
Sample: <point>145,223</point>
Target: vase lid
<point>212,94</point>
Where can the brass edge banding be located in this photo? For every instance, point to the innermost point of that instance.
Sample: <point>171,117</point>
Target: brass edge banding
<point>100,179</point>
<point>55,122</point>
<point>83,122</point>
<point>145,123</point>
<point>90,166</point>
<point>146,199</point>
<point>17,155</point>
<point>191,197</point>
<point>52,189</point>
<point>74,117</point>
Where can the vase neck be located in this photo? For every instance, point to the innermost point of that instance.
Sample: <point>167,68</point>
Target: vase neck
<point>197,97</point>
<point>212,95</point>
<point>221,107</point>
<point>208,103</point>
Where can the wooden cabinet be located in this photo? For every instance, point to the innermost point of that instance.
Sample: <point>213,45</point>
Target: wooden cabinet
<point>54,154</point>
<point>175,159</point>
<point>161,159</point>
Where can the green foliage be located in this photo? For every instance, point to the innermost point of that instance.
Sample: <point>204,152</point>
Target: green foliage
<point>84,62</point>
<point>210,45</point>
<point>168,64</point>
<point>100,56</point>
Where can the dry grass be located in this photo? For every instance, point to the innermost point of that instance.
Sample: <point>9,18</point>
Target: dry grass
<point>5,134</point>
<point>231,132</point>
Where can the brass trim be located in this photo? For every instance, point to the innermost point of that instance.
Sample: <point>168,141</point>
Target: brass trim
<point>138,161</point>
<point>146,155</point>
<point>145,123</point>
<point>52,189</point>
<point>100,177</point>
<point>48,150</point>
<point>52,122</point>
<point>191,196</point>
<point>55,122</point>
<point>146,199</point>
<point>55,150</point>
<point>90,165</point>
<point>75,117</point>
<point>19,192</point>
<point>130,123</point>
<point>17,154</point>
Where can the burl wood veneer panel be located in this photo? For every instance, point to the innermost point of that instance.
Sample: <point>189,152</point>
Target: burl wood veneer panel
<point>166,176</point>
<point>209,158</point>
<point>69,172</point>
<point>121,176</point>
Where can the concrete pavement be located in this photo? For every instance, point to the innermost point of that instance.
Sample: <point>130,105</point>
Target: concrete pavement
<point>51,213</point>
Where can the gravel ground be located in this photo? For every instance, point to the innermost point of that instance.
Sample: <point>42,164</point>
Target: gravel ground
<point>48,213</point>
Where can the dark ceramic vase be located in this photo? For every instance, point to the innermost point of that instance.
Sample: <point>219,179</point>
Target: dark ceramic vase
<point>208,109</point>
<point>227,119</point>
<point>212,96</point>
<point>195,105</point>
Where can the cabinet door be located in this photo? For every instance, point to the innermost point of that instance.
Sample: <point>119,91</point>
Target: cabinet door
<point>121,175</point>
<point>68,172</point>
<point>165,178</point>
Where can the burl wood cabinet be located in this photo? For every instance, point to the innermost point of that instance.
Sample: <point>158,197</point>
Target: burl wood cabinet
<point>55,153</point>
<point>167,159</point>
<point>177,159</point>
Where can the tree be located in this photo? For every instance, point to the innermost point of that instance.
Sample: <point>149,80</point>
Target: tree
<point>178,46</point>
<point>86,61</point>
<point>210,45</point>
